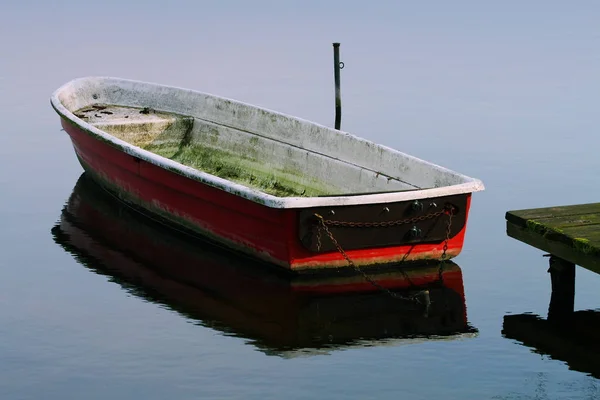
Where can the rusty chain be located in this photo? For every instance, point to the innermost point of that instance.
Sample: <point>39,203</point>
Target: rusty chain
<point>445,248</point>
<point>323,226</point>
<point>382,224</point>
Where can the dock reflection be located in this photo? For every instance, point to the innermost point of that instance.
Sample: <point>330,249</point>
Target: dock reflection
<point>574,340</point>
<point>278,312</point>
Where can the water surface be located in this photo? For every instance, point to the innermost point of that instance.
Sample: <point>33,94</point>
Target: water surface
<point>506,93</point>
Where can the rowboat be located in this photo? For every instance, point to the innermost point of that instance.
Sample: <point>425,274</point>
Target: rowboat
<point>281,189</point>
<point>277,311</point>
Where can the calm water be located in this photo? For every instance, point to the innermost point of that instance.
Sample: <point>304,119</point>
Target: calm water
<point>506,93</point>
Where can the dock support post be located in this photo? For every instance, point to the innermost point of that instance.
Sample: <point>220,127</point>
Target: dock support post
<point>562,300</point>
<point>337,66</point>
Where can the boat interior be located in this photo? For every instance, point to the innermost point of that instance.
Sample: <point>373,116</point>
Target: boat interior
<point>271,152</point>
<point>252,160</point>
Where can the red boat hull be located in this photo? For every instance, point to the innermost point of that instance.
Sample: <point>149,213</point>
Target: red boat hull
<point>270,234</point>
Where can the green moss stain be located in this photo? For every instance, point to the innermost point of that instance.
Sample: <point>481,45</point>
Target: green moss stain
<point>170,136</point>
<point>240,169</point>
<point>583,245</point>
<point>536,227</point>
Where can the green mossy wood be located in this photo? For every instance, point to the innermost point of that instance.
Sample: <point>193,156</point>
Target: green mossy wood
<point>569,232</point>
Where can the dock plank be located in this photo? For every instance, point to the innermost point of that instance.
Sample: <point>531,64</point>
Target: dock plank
<point>570,232</point>
<point>570,221</point>
<point>517,216</point>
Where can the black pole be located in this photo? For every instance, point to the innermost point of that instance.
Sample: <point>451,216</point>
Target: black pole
<point>337,65</point>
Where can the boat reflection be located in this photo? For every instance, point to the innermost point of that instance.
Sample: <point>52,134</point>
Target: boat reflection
<point>574,340</point>
<point>279,313</point>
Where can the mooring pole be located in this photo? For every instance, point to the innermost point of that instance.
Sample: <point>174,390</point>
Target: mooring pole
<point>337,66</point>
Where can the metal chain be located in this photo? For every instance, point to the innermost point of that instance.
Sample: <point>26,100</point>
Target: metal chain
<point>445,248</point>
<point>382,224</point>
<point>414,298</point>
<point>339,248</point>
<point>319,237</point>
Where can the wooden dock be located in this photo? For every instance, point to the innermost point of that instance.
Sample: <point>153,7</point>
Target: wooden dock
<point>571,236</point>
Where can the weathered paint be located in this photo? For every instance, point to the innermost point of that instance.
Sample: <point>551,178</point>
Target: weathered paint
<point>263,232</point>
<point>243,218</point>
<point>277,127</point>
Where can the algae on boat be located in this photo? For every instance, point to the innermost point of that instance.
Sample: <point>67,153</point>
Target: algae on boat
<point>169,135</point>
<point>239,169</point>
